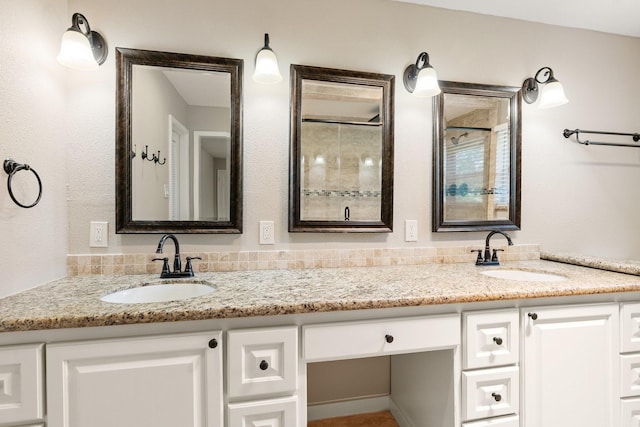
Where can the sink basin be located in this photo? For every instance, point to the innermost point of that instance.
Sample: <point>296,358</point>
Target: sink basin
<point>523,276</point>
<point>159,293</point>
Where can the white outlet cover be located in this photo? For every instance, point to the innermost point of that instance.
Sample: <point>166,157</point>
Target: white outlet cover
<point>99,234</point>
<point>267,232</point>
<point>410,230</point>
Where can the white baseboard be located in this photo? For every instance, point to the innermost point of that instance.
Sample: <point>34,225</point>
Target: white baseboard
<point>399,415</point>
<point>350,407</point>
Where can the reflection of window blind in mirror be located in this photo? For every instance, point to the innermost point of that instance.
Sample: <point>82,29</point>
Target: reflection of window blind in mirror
<point>464,168</point>
<point>503,160</point>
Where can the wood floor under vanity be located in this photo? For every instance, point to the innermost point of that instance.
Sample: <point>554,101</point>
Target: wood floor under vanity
<point>374,419</point>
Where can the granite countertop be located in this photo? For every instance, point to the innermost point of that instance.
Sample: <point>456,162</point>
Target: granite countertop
<point>75,301</point>
<point>620,266</point>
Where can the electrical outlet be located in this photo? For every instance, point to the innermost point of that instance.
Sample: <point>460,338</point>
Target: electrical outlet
<point>267,233</point>
<point>410,230</point>
<point>99,234</point>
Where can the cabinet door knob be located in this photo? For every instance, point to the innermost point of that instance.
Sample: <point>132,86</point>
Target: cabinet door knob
<point>496,396</point>
<point>533,316</point>
<point>497,340</point>
<point>264,365</point>
<point>213,343</point>
<point>388,338</point>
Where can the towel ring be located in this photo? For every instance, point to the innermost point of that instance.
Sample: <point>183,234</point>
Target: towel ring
<point>11,167</point>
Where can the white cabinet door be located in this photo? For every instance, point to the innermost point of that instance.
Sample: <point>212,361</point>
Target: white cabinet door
<point>264,413</point>
<point>21,384</point>
<point>262,362</point>
<point>571,366</point>
<point>490,338</point>
<point>165,381</point>
<point>631,413</point>
<point>490,392</point>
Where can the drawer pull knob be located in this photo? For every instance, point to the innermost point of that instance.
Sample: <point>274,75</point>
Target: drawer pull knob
<point>264,365</point>
<point>497,340</point>
<point>213,343</point>
<point>496,396</point>
<point>533,316</point>
<point>388,338</point>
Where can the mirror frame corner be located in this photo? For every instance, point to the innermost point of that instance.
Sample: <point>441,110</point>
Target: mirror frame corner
<point>125,60</point>
<point>384,81</point>
<point>514,95</point>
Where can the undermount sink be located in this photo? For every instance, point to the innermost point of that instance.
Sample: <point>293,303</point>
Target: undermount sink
<point>523,276</point>
<point>159,292</point>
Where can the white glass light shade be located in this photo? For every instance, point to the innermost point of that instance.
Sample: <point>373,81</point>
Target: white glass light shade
<point>75,51</point>
<point>427,83</point>
<point>267,67</point>
<point>552,95</point>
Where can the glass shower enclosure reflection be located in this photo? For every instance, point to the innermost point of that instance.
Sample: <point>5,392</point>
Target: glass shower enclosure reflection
<point>341,171</point>
<point>341,151</point>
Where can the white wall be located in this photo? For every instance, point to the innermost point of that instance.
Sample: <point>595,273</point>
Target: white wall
<point>575,198</point>
<point>33,130</point>
<point>154,100</point>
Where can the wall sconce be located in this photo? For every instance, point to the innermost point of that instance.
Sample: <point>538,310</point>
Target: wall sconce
<point>267,65</point>
<point>420,78</point>
<point>552,92</point>
<point>82,49</point>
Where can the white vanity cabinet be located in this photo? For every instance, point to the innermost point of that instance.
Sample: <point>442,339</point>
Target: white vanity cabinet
<point>21,384</point>
<point>424,353</point>
<point>262,377</point>
<point>570,363</point>
<point>491,375</point>
<point>630,364</point>
<point>160,381</point>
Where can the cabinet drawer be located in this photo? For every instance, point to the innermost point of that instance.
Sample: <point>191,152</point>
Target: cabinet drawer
<point>347,340</point>
<point>21,383</point>
<point>490,392</point>
<point>630,321</point>
<point>630,369</point>
<point>262,361</point>
<point>509,421</point>
<point>631,413</point>
<point>490,338</point>
<point>264,413</point>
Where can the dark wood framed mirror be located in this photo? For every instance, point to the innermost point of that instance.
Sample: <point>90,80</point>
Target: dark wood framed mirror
<point>476,157</point>
<point>178,143</point>
<point>341,154</point>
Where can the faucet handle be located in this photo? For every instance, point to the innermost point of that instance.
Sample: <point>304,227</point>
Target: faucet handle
<point>479,259</point>
<point>165,264</point>
<point>189,268</point>
<point>494,257</point>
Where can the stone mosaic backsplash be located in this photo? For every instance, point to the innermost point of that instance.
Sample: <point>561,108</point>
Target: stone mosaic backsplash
<point>83,265</point>
<point>341,193</point>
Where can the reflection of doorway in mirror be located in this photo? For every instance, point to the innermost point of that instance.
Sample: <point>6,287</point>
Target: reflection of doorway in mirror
<point>223,195</point>
<point>211,186</point>
<point>178,170</point>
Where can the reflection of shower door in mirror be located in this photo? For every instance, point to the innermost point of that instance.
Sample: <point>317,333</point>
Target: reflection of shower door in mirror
<point>179,171</point>
<point>341,173</point>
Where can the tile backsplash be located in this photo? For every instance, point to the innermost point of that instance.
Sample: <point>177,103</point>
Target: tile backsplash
<point>82,265</point>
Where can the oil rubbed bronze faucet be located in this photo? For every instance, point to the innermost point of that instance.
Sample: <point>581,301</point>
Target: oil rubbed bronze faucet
<point>177,262</point>
<point>489,257</point>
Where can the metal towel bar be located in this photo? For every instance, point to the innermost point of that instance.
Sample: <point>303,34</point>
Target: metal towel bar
<point>636,137</point>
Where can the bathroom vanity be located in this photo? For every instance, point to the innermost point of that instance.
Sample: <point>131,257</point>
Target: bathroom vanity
<point>465,349</point>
